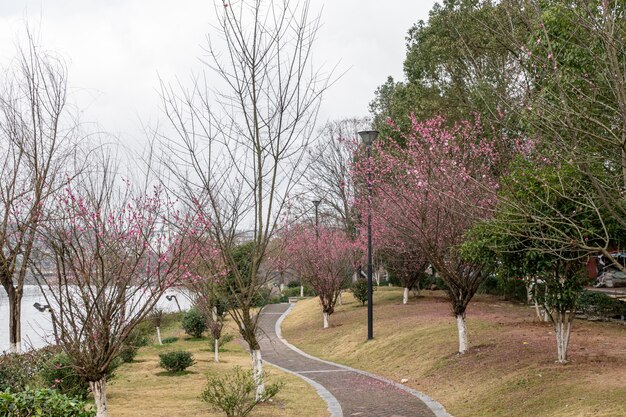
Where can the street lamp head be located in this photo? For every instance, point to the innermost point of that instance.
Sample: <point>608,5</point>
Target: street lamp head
<point>316,202</point>
<point>368,136</point>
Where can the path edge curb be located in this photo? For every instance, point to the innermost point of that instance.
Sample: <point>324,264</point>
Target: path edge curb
<point>333,406</point>
<point>436,407</point>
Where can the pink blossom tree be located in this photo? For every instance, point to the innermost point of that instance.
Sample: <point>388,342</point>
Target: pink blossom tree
<point>431,191</point>
<point>326,259</point>
<point>403,259</point>
<point>111,255</point>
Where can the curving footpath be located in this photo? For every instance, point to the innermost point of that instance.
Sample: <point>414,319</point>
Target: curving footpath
<point>347,391</point>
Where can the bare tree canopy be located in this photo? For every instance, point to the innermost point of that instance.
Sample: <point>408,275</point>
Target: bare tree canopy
<point>37,131</point>
<point>236,149</point>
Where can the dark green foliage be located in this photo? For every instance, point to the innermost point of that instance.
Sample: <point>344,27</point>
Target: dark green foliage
<point>128,353</point>
<point>169,340</point>
<point>433,282</point>
<point>176,360</point>
<point>194,323</point>
<point>59,374</point>
<point>17,371</point>
<point>295,291</point>
<point>293,284</point>
<point>137,338</point>
<point>460,63</point>
<point>42,403</point>
<point>262,297</point>
<point>599,305</point>
<point>234,392</point>
<point>511,289</point>
<point>359,290</point>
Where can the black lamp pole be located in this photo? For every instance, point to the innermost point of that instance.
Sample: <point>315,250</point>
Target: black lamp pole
<point>368,138</point>
<point>317,224</point>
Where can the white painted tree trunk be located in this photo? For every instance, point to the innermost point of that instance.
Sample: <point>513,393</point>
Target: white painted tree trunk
<point>257,371</point>
<point>326,319</point>
<point>282,288</point>
<point>463,343</point>
<point>563,330</point>
<point>405,296</point>
<point>301,290</point>
<point>216,351</point>
<point>159,335</point>
<point>538,311</point>
<point>340,298</point>
<point>99,390</point>
<point>15,347</point>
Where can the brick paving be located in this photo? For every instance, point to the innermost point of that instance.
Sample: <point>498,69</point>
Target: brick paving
<point>357,394</point>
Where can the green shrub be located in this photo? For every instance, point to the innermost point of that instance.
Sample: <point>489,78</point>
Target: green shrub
<point>293,284</point>
<point>234,392</point>
<point>169,340</point>
<point>59,374</point>
<point>359,290</point>
<point>599,305</point>
<point>127,353</point>
<point>262,297</point>
<point>41,403</point>
<point>176,360</point>
<point>194,323</point>
<point>295,292</point>
<point>17,371</point>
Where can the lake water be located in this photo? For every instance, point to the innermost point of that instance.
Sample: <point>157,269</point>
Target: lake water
<point>37,326</point>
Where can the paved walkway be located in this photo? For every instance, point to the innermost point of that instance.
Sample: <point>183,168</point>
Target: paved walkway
<point>348,392</point>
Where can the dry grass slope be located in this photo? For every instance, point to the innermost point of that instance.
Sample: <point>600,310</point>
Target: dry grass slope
<point>509,371</point>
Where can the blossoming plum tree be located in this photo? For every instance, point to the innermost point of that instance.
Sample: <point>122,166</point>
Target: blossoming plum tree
<point>326,259</point>
<point>431,190</point>
<point>110,258</point>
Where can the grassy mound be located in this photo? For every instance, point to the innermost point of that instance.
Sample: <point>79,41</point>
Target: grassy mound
<point>509,371</point>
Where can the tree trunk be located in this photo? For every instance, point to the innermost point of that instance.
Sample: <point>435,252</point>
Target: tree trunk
<point>340,298</point>
<point>326,318</point>
<point>158,329</point>
<point>99,390</point>
<point>257,370</point>
<point>216,351</point>
<point>460,323</point>
<point>563,330</point>
<point>15,323</point>
<point>405,296</point>
<point>301,290</point>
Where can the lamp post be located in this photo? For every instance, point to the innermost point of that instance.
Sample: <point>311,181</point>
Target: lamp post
<point>316,203</point>
<point>368,137</point>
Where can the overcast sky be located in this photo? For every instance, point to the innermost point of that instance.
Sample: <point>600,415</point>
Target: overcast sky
<point>117,49</point>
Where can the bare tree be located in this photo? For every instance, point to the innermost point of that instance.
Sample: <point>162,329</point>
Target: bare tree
<point>36,132</point>
<point>113,253</point>
<point>236,151</point>
<point>328,175</point>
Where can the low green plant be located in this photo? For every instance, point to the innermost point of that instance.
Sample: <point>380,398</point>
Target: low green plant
<point>59,374</point>
<point>17,371</point>
<point>127,353</point>
<point>42,403</point>
<point>169,340</point>
<point>599,305</point>
<point>194,323</point>
<point>176,360</point>
<point>234,392</point>
<point>295,292</point>
<point>359,290</point>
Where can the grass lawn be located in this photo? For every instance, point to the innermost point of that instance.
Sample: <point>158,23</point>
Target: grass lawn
<point>509,371</point>
<point>143,389</point>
